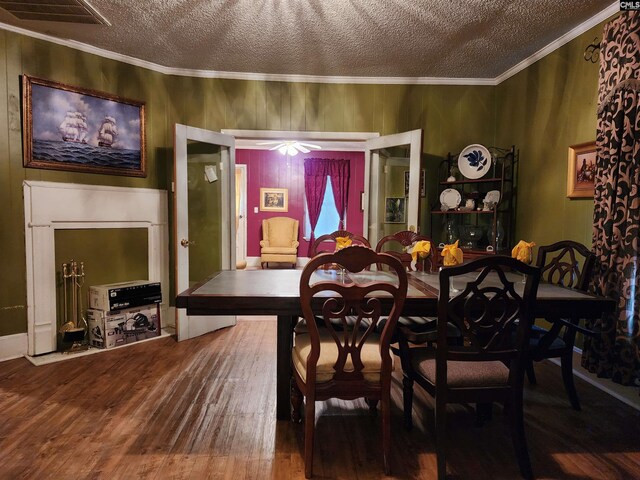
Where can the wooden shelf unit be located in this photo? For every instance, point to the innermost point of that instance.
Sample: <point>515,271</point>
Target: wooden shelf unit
<point>501,176</point>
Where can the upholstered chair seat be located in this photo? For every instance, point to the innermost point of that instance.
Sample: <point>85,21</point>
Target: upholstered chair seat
<point>461,374</point>
<point>370,357</point>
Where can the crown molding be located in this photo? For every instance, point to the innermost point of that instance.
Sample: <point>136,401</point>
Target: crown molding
<point>567,37</point>
<point>292,78</point>
<point>559,42</point>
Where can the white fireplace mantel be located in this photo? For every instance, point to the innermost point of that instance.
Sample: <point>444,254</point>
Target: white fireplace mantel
<point>49,206</point>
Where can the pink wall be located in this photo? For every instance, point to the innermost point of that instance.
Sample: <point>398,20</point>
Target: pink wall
<point>272,169</point>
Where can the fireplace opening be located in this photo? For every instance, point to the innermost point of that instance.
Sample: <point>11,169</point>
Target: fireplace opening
<point>108,255</point>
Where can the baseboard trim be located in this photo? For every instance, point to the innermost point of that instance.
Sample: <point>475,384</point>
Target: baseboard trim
<point>13,346</point>
<point>254,262</point>
<point>54,357</point>
<point>599,383</point>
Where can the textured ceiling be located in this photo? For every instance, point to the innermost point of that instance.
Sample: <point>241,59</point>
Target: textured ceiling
<point>368,38</point>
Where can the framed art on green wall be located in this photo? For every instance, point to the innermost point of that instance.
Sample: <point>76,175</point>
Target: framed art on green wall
<point>81,130</point>
<point>581,169</point>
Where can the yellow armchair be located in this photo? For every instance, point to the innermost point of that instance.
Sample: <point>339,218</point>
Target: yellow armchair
<point>279,241</point>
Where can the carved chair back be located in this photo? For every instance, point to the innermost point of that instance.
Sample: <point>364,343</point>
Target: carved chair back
<point>487,311</point>
<point>330,239</point>
<point>397,244</point>
<point>566,263</point>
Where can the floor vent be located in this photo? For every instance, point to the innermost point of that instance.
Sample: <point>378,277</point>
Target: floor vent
<point>73,11</point>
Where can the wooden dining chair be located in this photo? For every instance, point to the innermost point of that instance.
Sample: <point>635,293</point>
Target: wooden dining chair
<point>568,264</point>
<point>397,243</point>
<point>419,330</point>
<point>489,365</point>
<point>329,240</point>
<point>353,361</point>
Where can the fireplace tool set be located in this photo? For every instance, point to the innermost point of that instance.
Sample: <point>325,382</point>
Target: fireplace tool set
<point>74,326</point>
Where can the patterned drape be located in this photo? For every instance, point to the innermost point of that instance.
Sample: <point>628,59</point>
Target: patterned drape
<point>614,352</point>
<point>316,171</point>
<point>339,173</point>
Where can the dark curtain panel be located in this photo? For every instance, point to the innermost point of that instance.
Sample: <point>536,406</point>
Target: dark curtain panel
<point>315,183</point>
<point>614,352</point>
<point>316,171</point>
<point>339,173</point>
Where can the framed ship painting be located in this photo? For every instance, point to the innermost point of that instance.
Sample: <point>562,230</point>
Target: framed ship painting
<point>75,129</point>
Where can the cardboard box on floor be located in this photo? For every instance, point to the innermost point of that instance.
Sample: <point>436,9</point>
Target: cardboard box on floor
<point>112,329</point>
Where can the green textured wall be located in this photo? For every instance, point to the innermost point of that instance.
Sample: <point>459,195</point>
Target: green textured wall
<point>543,110</point>
<point>18,55</point>
<point>451,117</point>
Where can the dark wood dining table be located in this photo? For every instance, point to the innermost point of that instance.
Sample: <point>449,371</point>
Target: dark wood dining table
<point>276,292</point>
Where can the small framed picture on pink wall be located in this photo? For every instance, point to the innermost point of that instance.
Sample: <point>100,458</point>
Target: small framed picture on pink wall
<point>581,170</point>
<point>274,200</point>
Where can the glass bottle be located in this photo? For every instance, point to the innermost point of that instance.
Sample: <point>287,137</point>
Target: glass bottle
<point>451,231</point>
<point>499,235</point>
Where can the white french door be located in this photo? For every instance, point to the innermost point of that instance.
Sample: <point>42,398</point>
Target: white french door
<point>387,208</point>
<point>204,211</point>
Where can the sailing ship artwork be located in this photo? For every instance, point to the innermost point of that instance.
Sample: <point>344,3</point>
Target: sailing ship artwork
<point>74,127</point>
<point>108,132</point>
<point>68,128</point>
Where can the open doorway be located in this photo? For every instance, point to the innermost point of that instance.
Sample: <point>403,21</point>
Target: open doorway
<point>345,145</point>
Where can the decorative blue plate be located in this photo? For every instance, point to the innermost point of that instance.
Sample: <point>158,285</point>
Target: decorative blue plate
<point>474,161</point>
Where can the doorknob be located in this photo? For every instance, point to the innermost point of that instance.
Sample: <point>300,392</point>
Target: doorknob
<point>185,243</point>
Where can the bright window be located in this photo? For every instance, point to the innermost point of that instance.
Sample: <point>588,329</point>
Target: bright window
<point>329,221</point>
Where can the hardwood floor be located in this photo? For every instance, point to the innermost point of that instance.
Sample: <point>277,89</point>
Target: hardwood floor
<point>205,408</point>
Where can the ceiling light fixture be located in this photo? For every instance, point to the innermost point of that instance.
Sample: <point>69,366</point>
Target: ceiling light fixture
<point>291,147</point>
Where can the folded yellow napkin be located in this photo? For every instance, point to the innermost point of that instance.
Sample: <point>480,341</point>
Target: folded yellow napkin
<point>421,248</point>
<point>452,255</point>
<point>342,242</point>
<point>522,251</point>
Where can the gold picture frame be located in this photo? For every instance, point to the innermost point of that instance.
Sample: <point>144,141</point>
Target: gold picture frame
<point>81,130</point>
<point>581,169</point>
<point>274,199</point>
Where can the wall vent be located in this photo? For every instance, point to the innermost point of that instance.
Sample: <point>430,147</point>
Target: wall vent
<point>73,11</point>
